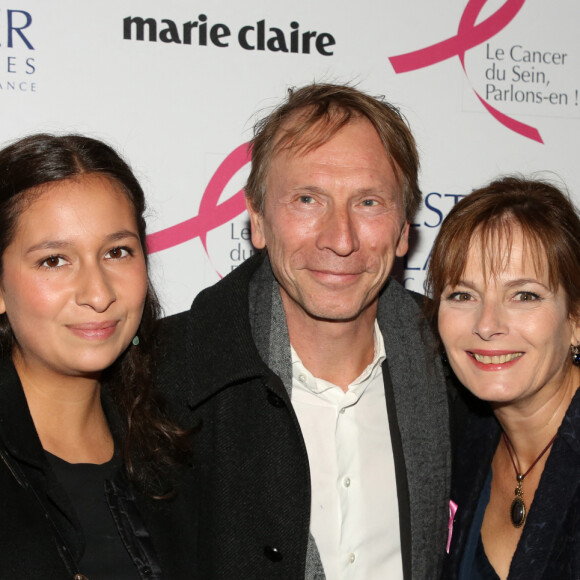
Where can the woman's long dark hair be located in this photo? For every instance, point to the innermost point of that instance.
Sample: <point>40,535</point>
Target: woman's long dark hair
<point>151,446</point>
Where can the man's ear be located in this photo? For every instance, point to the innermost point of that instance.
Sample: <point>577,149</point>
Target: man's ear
<point>403,243</point>
<point>257,224</point>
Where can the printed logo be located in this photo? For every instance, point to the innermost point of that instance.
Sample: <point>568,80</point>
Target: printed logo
<point>469,35</point>
<point>17,66</point>
<point>212,214</point>
<point>258,36</point>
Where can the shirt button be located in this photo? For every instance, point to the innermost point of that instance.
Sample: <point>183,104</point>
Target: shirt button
<point>346,483</point>
<point>351,558</point>
<point>302,378</point>
<point>342,411</point>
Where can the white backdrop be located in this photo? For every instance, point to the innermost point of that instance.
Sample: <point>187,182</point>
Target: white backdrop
<point>488,86</point>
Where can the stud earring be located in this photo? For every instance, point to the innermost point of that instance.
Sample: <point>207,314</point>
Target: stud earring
<point>575,352</point>
<point>135,341</point>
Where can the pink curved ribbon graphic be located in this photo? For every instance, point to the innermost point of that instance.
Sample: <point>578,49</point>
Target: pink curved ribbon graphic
<point>211,213</point>
<point>468,36</point>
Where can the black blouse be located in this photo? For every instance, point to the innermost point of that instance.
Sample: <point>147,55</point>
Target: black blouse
<point>105,556</point>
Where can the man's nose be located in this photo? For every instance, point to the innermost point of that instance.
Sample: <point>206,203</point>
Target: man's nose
<point>338,232</point>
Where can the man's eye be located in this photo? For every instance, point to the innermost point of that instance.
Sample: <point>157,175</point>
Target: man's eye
<point>306,199</point>
<point>370,202</point>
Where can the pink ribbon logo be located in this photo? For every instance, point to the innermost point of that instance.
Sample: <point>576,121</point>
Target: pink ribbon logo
<point>212,214</point>
<point>468,36</point>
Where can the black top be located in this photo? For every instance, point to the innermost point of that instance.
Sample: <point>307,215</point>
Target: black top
<point>105,556</point>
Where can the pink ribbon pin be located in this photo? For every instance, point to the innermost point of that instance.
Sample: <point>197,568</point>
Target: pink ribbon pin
<point>452,510</point>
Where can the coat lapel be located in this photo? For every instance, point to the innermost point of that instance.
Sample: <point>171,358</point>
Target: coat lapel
<point>208,340</point>
<point>421,411</point>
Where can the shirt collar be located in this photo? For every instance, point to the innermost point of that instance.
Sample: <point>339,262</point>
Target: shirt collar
<point>305,378</point>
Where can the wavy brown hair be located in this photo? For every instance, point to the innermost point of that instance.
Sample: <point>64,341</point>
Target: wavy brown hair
<point>550,224</point>
<point>150,444</point>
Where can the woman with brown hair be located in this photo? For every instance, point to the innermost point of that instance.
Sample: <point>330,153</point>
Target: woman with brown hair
<point>86,451</point>
<point>505,281</point>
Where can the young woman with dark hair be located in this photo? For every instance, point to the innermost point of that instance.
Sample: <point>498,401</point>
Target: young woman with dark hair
<point>90,466</point>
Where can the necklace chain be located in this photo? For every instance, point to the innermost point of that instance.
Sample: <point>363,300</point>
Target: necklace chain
<point>509,448</point>
<point>518,510</point>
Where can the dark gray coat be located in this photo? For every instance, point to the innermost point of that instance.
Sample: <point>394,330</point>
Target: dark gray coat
<point>252,466</point>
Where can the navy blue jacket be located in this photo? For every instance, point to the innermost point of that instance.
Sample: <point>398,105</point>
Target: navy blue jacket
<point>549,548</point>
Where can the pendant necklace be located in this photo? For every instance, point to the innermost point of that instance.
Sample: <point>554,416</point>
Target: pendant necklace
<point>518,511</point>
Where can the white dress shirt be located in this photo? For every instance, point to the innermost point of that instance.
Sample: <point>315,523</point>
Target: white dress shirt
<point>354,515</point>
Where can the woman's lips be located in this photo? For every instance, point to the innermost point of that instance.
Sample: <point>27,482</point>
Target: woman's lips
<point>94,330</point>
<point>494,360</point>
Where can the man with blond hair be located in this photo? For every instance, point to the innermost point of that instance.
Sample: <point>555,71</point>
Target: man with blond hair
<point>322,431</point>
